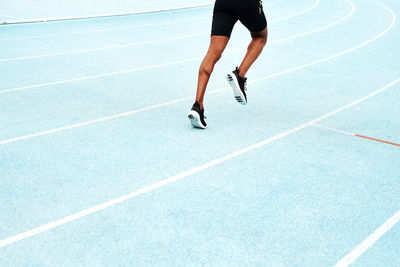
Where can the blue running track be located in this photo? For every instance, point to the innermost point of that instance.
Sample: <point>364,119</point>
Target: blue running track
<point>99,165</point>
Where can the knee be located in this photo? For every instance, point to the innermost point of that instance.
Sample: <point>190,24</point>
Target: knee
<point>261,40</point>
<point>260,37</point>
<point>213,56</point>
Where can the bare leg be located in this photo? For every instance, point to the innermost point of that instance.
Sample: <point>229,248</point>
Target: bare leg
<point>259,39</point>
<point>217,46</point>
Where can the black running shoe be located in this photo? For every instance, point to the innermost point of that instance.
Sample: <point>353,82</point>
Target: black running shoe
<point>238,85</point>
<point>196,116</point>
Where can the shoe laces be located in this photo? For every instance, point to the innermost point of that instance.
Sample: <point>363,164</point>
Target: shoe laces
<point>204,116</point>
<point>202,113</point>
<point>244,82</point>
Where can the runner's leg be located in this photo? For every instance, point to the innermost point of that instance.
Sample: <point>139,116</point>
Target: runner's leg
<point>217,46</point>
<point>259,39</point>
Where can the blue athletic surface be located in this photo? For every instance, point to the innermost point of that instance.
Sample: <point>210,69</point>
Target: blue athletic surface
<point>92,110</point>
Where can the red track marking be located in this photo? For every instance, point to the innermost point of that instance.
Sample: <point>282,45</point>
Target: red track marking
<point>378,140</point>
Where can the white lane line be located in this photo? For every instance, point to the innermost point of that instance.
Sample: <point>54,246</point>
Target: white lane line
<point>101,75</point>
<point>3,142</point>
<point>6,141</point>
<point>367,243</point>
<point>273,3</point>
<point>356,102</point>
<point>299,13</point>
<point>129,44</point>
<point>105,47</point>
<point>86,212</point>
<point>106,30</point>
<point>33,20</point>
<point>173,62</point>
<point>356,135</point>
<point>332,129</point>
<point>320,28</point>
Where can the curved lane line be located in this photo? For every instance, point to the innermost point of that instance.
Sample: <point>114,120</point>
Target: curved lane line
<point>273,4</point>
<point>299,13</point>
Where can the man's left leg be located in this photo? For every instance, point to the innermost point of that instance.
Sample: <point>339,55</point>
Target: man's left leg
<point>237,78</point>
<point>258,41</point>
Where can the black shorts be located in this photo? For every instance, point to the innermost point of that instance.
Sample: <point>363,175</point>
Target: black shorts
<point>228,12</point>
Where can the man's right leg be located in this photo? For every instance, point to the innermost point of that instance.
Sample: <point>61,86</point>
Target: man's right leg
<point>222,25</point>
<point>217,46</point>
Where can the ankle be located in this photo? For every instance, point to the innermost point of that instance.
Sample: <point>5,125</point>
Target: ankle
<point>242,74</point>
<point>200,104</point>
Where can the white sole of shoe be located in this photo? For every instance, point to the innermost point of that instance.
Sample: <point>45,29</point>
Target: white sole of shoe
<point>237,93</point>
<point>194,118</point>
